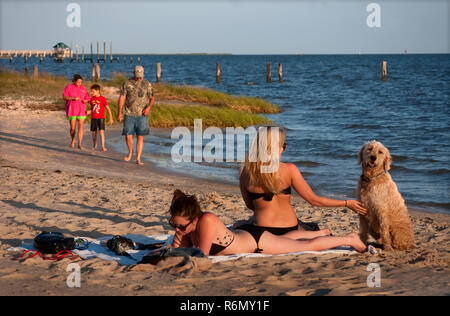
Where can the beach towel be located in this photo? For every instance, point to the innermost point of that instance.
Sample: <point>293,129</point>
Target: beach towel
<point>96,248</point>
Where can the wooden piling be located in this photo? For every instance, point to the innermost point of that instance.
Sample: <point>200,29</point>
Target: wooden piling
<point>35,72</point>
<point>82,53</point>
<point>98,51</point>
<point>218,73</point>
<point>383,70</point>
<point>269,72</point>
<point>95,72</point>
<point>280,72</point>
<point>92,54</point>
<point>26,71</point>
<point>110,52</point>
<point>104,51</point>
<point>158,72</point>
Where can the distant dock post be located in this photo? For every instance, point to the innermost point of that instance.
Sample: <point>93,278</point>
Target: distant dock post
<point>269,72</point>
<point>280,72</point>
<point>98,51</point>
<point>82,53</point>
<point>35,72</point>
<point>92,54</point>
<point>96,72</point>
<point>110,52</point>
<point>158,72</point>
<point>218,72</point>
<point>26,71</point>
<point>383,70</point>
<point>104,51</point>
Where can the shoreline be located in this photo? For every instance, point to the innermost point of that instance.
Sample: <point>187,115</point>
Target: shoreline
<point>49,186</point>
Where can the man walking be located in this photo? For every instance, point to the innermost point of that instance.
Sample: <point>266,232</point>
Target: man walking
<point>136,99</point>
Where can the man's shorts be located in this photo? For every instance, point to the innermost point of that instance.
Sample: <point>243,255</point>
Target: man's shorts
<point>97,124</point>
<point>135,125</point>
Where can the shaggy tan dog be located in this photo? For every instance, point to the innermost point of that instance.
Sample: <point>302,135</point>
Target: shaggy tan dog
<point>388,221</point>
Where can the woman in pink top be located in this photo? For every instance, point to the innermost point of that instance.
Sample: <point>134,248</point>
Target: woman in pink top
<point>76,97</point>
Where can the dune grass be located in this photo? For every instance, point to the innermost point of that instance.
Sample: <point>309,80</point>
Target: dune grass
<point>202,95</point>
<point>186,103</point>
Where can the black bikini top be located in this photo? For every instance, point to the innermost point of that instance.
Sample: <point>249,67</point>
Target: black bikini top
<point>267,196</point>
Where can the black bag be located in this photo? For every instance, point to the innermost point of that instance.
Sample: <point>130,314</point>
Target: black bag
<point>52,243</point>
<point>120,245</point>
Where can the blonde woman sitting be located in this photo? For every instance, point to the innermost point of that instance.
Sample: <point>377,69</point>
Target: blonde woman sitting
<point>266,183</point>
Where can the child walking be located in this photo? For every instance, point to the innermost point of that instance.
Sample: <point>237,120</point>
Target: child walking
<point>98,105</point>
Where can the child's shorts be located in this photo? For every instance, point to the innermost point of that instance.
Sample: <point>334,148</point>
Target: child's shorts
<point>135,125</point>
<point>72,118</point>
<point>97,124</point>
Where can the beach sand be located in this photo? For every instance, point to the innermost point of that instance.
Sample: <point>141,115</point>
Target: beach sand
<point>48,186</point>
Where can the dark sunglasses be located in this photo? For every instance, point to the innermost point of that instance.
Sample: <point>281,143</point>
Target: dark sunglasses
<point>284,146</point>
<point>180,227</point>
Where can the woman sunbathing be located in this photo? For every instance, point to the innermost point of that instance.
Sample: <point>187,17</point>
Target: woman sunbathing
<point>194,228</point>
<point>266,184</point>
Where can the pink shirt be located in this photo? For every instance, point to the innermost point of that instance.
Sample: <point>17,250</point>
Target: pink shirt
<point>76,108</point>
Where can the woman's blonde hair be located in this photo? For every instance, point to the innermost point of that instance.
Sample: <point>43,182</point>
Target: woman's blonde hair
<point>263,159</point>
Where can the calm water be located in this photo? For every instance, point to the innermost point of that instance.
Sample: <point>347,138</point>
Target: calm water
<point>331,104</point>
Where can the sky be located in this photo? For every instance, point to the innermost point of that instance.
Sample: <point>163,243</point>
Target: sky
<point>230,26</point>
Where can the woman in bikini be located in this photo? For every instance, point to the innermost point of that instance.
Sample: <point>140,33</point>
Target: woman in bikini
<point>194,228</point>
<point>267,191</point>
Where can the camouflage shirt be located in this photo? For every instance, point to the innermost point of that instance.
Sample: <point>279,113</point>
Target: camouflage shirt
<point>137,96</point>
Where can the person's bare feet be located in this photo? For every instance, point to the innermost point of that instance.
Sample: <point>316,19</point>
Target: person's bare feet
<point>72,145</point>
<point>127,158</point>
<point>80,147</point>
<point>357,242</point>
<point>140,163</point>
<point>104,149</point>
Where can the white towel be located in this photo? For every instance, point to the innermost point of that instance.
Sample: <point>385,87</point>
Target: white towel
<point>97,249</point>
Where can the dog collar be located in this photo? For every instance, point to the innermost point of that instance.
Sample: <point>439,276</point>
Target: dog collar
<point>367,179</point>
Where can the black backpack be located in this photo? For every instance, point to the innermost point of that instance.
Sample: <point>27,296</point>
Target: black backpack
<point>52,243</point>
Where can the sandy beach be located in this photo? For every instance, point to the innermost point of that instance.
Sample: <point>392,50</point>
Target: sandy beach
<point>46,185</point>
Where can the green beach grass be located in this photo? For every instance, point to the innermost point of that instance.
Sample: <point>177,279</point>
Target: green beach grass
<point>176,105</point>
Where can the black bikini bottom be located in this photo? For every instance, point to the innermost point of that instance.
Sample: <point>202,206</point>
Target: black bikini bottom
<point>257,231</point>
